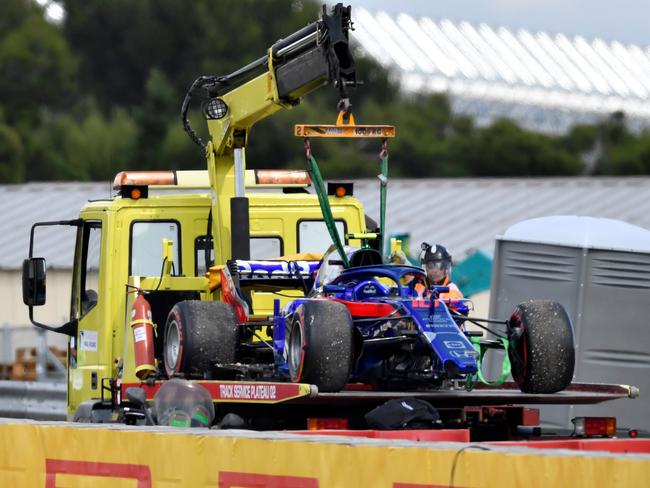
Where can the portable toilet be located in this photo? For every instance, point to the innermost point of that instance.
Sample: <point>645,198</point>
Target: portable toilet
<point>599,269</point>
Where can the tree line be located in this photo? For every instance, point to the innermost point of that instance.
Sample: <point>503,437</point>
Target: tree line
<point>101,92</point>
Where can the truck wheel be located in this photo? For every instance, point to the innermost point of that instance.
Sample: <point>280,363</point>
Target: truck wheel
<point>541,349</point>
<point>320,345</point>
<point>197,335</point>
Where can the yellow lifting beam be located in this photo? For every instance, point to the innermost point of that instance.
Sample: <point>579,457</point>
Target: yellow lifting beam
<point>342,128</point>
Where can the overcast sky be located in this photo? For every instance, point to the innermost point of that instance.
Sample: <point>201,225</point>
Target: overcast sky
<point>627,21</point>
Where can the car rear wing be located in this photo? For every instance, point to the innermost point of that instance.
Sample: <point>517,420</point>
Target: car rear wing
<point>275,274</point>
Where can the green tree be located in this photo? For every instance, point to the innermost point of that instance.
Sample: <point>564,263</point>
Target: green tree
<point>37,68</point>
<point>93,147</point>
<point>160,106</point>
<point>102,93</point>
<point>119,42</point>
<point>125,61</point>
<point>177,151</point>
<point>504,149</point>
<point>426,130</point>
<point>12,166</point>
<point>630,157</point>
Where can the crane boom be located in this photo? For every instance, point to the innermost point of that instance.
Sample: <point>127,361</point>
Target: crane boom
<point>315,55</point>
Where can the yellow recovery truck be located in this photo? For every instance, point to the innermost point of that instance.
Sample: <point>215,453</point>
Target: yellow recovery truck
<point>143,310</point>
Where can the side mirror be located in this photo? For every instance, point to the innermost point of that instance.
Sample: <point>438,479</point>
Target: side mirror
<point>34,281</point>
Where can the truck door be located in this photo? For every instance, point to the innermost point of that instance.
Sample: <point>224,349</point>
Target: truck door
<point>89,337</point>
<point>90,348</point>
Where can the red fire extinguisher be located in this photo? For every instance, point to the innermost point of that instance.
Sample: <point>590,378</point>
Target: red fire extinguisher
<point>143,334</point>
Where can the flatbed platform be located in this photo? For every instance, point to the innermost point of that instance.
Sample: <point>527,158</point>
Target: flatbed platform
<point>302,394</point>
<point>508,393</point>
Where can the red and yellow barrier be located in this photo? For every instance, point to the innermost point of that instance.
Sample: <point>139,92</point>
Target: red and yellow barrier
<point>65,455</point>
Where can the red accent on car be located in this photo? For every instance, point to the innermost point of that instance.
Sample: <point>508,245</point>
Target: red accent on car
<point>367,309</point>
<point>230,295</point>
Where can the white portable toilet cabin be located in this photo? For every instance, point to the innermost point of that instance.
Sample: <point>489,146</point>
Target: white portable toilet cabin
<point>599,269</point>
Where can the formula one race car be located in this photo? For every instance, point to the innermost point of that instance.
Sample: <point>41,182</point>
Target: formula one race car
<point>367,324</point>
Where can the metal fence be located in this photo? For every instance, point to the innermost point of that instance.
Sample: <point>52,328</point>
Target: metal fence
<point>33,400</point>
<point>44,399</point>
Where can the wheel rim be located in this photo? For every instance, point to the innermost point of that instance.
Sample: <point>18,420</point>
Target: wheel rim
<point>296,352</point>
<point>172,346</point>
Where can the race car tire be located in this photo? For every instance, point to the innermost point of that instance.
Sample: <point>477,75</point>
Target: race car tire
<point>199,334</point>
<point>320,345</point>
<point>541,352</point>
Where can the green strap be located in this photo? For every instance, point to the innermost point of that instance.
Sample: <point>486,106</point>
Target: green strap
<point>325,208</point>
<point>382,198</point>
<point>505,366</point>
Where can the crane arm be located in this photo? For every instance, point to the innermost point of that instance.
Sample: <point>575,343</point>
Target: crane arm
<point>294,66</point>
<point>315,55</point>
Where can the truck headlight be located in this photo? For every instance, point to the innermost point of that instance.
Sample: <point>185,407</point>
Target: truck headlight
<point>215,108</point>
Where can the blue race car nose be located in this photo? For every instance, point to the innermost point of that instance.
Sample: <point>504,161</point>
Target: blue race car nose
<point>458,367</point>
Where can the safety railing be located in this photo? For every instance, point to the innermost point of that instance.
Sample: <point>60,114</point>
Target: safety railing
<point>33,400</point>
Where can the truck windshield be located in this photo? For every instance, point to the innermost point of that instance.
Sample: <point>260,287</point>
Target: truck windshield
<point>147,249</point>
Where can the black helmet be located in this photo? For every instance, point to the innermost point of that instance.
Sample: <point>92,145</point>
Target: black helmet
<point>437,253</point>
<point>436,261</point>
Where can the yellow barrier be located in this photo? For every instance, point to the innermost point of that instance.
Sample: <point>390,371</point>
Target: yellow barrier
<point>64,455</point>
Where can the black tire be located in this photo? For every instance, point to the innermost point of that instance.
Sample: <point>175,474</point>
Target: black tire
<point>541,349</point>
<point>197,335</point>
<point>320,345</point>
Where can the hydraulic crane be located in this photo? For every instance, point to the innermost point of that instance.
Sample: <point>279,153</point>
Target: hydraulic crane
<point>316,55</point>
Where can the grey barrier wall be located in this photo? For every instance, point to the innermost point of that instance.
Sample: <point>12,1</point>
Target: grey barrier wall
<point>44,399</point>
<point>606,291</point>
<point>33,400</point>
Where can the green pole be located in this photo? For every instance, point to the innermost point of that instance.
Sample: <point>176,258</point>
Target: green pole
<point>383,183</point>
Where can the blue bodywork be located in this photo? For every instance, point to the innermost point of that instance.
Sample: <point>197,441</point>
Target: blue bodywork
<point>400,335</point>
